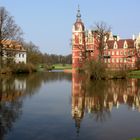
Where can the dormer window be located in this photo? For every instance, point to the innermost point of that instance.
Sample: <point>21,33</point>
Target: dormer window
<point>115,45</point>
<point>125,46</point>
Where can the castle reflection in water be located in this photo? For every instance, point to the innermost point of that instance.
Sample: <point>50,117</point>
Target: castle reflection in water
<point>100,97</point>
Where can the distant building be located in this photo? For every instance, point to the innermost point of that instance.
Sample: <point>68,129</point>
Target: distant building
<point>118,53</point>
<point>14,50</point>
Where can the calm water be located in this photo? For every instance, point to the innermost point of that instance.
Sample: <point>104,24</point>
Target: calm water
<point>59,106</point>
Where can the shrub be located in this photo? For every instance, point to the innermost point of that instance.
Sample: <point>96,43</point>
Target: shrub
<point>117,74</point>
<point>23,68</point>
<point>6,70</point>
<point>95,70</point>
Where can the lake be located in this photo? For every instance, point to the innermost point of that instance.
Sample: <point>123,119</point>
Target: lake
<point>64,106</point>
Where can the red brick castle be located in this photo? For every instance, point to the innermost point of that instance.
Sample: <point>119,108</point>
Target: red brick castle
<point>118,53</point>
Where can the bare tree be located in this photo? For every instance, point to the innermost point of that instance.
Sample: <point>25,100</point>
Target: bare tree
<point>102,33</point>
<point>9,30</point>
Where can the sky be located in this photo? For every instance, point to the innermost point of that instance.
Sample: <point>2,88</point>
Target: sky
<point>48,23</point>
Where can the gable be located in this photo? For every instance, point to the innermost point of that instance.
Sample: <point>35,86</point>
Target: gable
<point>115,45</point>
<point>125,45</point>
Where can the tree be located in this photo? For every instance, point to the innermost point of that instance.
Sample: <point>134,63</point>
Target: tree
<point>96,69</point>
<point>33,53</point>
<point>9,30</point>
<point>102,33</point>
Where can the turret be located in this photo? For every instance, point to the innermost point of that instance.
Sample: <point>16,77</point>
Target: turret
<point>78,41</point>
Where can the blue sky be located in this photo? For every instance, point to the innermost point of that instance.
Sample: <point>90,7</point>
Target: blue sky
<point>48,23</point>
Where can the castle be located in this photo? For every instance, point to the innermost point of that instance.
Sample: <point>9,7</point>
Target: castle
<point>117,53</point>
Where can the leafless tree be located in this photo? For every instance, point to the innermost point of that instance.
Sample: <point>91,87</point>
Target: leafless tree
<point>102,31</point>
<point>9,30</point>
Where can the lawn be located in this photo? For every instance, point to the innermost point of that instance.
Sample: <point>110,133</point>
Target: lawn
<point>134,74</point>
<point>61,66</point>
<point>135,139</point>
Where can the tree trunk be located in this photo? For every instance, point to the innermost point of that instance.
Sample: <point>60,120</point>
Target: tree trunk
<point>1,54</point>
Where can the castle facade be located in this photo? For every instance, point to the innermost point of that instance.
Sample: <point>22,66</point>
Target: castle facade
<point>117,53</point>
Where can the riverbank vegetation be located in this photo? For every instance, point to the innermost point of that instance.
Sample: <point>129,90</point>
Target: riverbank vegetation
<point>18,69</point>
<point>36,60</point>
<point>96,70</point>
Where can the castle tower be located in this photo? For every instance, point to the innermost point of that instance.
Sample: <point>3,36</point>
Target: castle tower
<point>78,42</point>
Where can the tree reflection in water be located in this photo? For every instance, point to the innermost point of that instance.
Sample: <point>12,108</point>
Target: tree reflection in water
<point>13,91</point>
<point>97,98</point>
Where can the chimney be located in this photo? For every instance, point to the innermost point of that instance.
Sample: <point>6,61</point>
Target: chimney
<point>118,38</point>
<point>133,37</point>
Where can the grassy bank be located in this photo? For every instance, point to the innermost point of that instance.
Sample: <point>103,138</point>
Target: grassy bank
<point>135,139</point>
<point>134,74</point>
<point>29,68</point>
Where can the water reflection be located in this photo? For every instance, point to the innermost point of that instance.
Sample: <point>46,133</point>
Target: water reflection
<point>98,98</point>
<point>49,107</point>
<point>13,92</point>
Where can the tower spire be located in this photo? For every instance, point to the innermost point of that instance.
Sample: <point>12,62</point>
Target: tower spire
<point>78,14</point>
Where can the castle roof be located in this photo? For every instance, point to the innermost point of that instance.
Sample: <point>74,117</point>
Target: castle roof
<point>129,43</point>
<point>79,24</point>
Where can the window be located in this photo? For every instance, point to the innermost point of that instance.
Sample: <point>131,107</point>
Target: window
<point>117,53</point>
<point>80,60</point>
<point>115,45</point>
<point>121,53</point>
<point>133,52</point>
<point>125,53</point>
<point>19,55</point>
<point>133,59</point>
<point>80,54</point>
<point>22,55</point>
<point>124,60</point>
<point>125,45</point>
<point>80,39</point>
<point>112,52</point>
